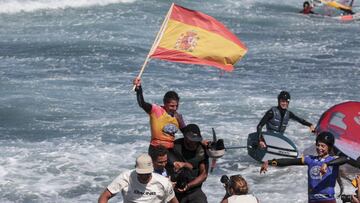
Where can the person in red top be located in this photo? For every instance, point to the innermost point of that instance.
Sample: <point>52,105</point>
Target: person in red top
<point>307,8</point>
<point>165,121</point>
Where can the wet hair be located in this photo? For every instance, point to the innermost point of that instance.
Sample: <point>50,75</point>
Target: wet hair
<point>158,151</point>
<point>306,3</point>
<point>170,95</point>
<point>238,185</point>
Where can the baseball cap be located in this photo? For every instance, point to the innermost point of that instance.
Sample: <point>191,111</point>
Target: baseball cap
<point>192,132</point>
<point>144,164</point>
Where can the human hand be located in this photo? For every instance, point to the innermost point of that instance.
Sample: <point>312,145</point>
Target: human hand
<point>137,81</point>
<point>264,167</point>
<point>205,143</point>
<point>183,189</point>
<point>262,144</point>
<point>323,169</point>
<point>312,128</point>
<point>178,165</point>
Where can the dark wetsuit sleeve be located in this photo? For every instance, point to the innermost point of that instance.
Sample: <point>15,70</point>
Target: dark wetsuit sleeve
<point>268,115</point>
<point>286,162</point>
<point>338,161</point>
<point>140,99</point>
<point>300,120</point>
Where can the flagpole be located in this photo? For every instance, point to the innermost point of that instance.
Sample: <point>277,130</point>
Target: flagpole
<point>156,42</point>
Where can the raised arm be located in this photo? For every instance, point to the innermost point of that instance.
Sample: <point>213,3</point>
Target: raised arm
<point>139,96</point>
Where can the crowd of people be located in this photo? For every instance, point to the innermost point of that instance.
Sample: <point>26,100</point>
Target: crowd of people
<point>174,170</point>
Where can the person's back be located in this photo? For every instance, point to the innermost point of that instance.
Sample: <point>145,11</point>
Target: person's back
<point>237,191</point>
<point>248,198</point>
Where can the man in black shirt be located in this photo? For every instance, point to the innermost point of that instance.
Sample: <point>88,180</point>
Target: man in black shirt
<point>276,119</point>
<point>191,168</point>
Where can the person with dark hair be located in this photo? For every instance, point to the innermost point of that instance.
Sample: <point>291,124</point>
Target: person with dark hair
<point>276,119</point>
<point>237,191</point>
<point>307,8</point>
<point>165,121</point>
<point>321,183</point>
<point>160,159</point>
<point>189,151</point>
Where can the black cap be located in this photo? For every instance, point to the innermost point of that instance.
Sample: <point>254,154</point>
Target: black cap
<point>192,132</point>
<point>327,138</point>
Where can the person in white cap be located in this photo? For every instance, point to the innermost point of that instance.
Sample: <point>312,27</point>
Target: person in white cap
<point>140,185</point>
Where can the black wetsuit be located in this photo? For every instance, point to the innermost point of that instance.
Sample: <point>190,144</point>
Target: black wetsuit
<point>269,115</point>
<point>140,99</point>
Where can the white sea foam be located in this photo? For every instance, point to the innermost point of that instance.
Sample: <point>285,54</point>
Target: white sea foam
<point>15,6</point>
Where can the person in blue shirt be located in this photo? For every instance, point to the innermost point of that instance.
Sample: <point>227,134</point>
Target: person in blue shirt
<point>321,181</point>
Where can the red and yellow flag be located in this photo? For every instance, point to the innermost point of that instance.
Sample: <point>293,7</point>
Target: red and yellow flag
<point>189,36</point>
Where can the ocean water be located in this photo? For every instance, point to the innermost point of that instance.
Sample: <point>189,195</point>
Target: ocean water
<point>69,123</point>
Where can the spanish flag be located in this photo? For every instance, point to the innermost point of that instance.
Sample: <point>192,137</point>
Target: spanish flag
<point>189,36</point>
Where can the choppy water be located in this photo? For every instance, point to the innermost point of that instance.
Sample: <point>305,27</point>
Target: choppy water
<point>69,123</point>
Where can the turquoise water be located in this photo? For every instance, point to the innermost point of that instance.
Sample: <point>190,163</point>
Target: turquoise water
<point>69,123</point>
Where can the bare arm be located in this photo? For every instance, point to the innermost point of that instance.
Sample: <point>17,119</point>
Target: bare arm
<point>105,196</point>
<point>201,178</point>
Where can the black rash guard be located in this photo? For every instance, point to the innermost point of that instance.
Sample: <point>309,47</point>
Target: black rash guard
<point>338,161</point>
<point>140,99</point>
<point>269,115</point>
<point>286,162</point>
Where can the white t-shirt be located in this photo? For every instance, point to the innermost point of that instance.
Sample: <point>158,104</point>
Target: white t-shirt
<point>242,198</point>
<point>157,190</point>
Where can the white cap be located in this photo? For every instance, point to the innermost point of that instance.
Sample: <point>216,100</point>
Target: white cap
<point>144,164</point>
